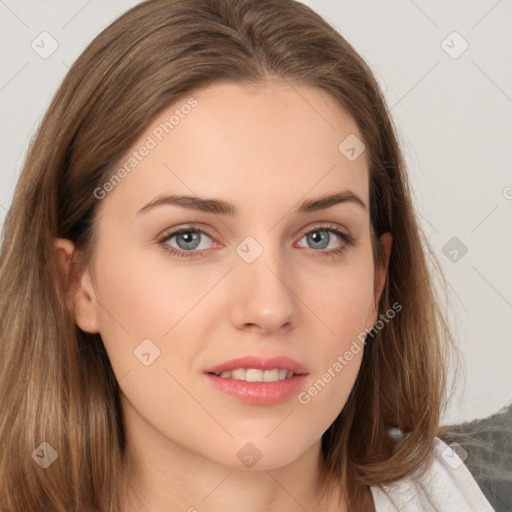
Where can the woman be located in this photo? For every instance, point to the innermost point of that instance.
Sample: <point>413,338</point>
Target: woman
<point>174,338</point>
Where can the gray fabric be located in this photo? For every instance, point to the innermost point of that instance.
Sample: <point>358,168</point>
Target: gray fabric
<point>488,443</point>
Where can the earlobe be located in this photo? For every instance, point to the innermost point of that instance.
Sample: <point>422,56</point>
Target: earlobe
<point>80,295</point>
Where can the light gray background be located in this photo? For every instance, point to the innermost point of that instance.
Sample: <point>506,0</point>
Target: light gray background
<point>453,116</point>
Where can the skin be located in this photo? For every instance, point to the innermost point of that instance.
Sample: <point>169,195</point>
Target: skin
<point>264,148</point>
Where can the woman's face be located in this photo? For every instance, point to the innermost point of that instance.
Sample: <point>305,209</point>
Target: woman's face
<point>270,280</point>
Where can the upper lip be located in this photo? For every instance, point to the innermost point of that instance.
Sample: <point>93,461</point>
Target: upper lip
<point>260,363</point>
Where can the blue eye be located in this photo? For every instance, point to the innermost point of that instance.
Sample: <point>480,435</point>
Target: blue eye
<point>321,237</point>
<point>189,241</point>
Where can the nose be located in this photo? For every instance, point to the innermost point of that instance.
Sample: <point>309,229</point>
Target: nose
<point>263,297</point>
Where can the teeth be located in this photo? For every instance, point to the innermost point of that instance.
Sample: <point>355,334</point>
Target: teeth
<point>255,375</point>
<point>238,374</point>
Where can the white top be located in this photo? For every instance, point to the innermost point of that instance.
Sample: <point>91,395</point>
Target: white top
<point>450,485</point>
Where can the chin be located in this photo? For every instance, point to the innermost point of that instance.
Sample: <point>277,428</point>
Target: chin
<point>263,455</point>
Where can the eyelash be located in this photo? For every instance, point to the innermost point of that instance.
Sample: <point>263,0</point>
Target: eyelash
<point>347,239</point>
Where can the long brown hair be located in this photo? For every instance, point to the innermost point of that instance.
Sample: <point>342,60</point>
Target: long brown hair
<point>56,382</point>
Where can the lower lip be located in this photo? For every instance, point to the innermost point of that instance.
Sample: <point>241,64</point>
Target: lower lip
<point>259,393</point>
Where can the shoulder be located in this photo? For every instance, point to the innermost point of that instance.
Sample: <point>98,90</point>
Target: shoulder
<point>446,486</point>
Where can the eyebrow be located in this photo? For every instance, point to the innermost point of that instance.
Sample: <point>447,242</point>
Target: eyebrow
<point>219,207</point>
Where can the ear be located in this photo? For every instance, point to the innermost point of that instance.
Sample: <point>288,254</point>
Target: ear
<point>80,295</point>
<point>386,240</point>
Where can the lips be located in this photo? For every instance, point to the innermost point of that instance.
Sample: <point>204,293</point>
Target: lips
<point>259,363</point>
<point>252,379</point>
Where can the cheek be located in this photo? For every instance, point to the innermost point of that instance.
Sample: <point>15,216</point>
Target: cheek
<point>138,301</point>
<point>145,295</point>
<point>327,391</point>
<point>344,304</point>
<point>343,297</point>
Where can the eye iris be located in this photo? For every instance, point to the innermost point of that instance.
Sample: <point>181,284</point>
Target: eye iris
<point>191,238</point>
<point>188,240</point>
<point>323,237</point>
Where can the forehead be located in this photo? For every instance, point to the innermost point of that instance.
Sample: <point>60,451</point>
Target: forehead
<point>244,143</point>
